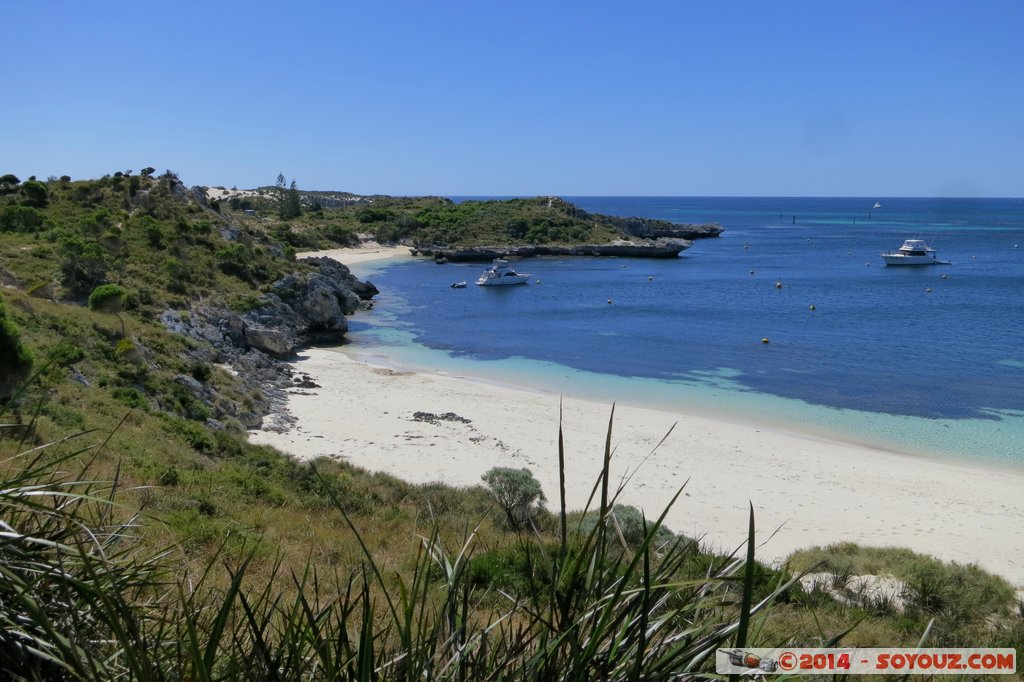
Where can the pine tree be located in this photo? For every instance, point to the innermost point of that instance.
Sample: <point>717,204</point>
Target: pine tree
<point>289,204</point>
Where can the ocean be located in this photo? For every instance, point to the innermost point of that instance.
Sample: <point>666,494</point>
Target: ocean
<point>925,360</point>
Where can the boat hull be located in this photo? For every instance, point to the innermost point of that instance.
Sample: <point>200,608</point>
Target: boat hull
<point>502,281</point>
<point>900,259</point>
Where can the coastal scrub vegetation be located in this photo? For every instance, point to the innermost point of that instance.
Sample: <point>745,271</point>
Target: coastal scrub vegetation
<point>142,538</point>
<point>315,219</point>
<point>517,492</point>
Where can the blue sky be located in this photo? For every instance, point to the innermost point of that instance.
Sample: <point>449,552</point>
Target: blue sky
<point>816,98</point>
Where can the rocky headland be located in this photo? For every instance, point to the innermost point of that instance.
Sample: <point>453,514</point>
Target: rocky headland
<point>302,309</point>
<point>641,238</point>
<point>635,248</point>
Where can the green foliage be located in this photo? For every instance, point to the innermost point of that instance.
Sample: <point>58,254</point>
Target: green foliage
<point>517,492</point>
<point>14,218</point>
<point>107,298</point>
<point>628,521</point>
<point>516,221</point>
<point>289,203</point>
<point>200,371</point>
<point>9,183</point>
<point>960,598</point>
<point>85,264</point>
<point>34,194</point>
<point>374,215</point>
<point>247,302</point>
<point>235,259</point>
<point>511,569</point>
<point>15,357</point>
<point>129,396</point>
<point>339,234</point>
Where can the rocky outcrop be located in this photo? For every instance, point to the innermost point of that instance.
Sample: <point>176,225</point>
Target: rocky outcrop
<point>303,308</point>
<point>650,228</point>
<point>654,229</point>
<point>636,248</point>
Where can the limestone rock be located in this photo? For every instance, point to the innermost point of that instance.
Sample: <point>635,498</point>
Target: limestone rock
<point>276,342</point>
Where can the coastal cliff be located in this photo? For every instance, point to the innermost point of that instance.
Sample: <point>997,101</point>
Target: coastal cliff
<point>302,308</point>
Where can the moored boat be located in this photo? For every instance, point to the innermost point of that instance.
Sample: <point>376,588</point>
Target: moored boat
<point>501,274</point>
<point>913,252</point>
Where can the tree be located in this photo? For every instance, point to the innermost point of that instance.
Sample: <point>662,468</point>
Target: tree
<point>9,183</point>
<point>109,298</point>
<point>15,358</point>
<point>289,204</point>
<point>518,493</point>
<point>294,202</point>
<point>36,194</point>
<point>20,219</point>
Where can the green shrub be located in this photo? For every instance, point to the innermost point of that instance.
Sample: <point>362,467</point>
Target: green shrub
<point>512,569</point>
<point>201,371</point>
<point>107,298</point>
<point>517,492</point>
<point>20,219</point>
<point>248,302</point>
<point>15,357</point>
<point>374,215</point>
<point>630,521</point>
<point>129,396</point>
<point>34,194</point>
<point>235,260</point>
<point>85,264</point>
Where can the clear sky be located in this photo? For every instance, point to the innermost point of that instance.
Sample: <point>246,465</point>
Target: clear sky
<point>795,98</point>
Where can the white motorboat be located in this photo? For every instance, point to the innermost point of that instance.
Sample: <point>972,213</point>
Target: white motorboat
<point>500,274</point>
<point>913,252</point>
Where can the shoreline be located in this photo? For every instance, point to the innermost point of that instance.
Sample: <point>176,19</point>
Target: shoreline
<point>818,491</point>
<point>367,252</point>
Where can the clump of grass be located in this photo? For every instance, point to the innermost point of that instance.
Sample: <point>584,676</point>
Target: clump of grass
<point>956,602</point>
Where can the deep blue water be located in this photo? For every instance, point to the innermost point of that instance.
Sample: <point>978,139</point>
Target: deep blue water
<point>940,344</point>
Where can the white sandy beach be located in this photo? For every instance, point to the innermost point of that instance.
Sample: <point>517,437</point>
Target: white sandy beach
<point>816,491</point>
<point>366,252</point>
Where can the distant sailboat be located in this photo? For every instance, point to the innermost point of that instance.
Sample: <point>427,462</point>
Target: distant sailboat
<point>877,205</point>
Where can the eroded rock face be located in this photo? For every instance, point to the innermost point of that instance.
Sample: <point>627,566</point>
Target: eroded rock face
<point>303,308</point>
<point>273,341</point>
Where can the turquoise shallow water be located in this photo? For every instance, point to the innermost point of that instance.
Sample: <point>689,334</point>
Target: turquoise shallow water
<point>895,357</point>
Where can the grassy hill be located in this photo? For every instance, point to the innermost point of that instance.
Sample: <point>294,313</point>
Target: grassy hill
<point>142,539</point>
